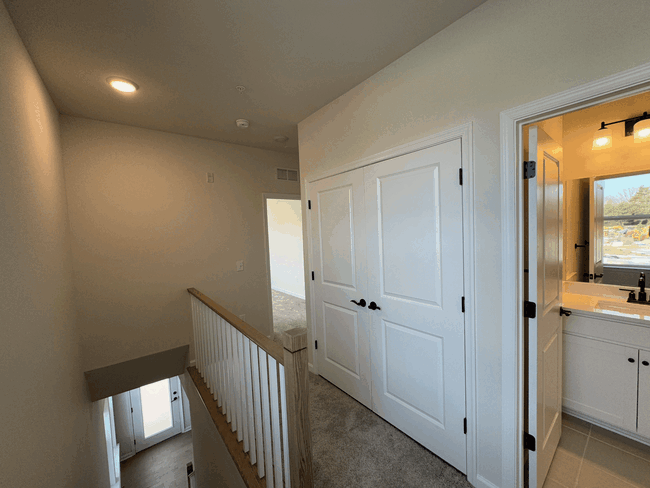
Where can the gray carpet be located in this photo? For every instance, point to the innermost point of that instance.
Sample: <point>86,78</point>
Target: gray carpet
<point>353,447</point>
<point>289,312</point>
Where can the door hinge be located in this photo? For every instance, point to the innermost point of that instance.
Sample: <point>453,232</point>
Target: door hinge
<point>530,310</point>
<point>134,442</point>
<point>462,302</point>
<point>460,176</point>
<point>529,441</point>
<point>315,344</point>
<point>312,276</point>
<point>465,425</point>
<point>529,170</point>
<point>131,409</point>
<point>309,204</point>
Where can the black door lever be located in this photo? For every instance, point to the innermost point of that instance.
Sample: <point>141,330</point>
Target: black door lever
<point>373,306</point>
<point>565,312</point>
<point>361,303</point>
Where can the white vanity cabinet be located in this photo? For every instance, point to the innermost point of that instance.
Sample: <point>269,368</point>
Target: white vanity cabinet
<point>644,394</point>
<point>605,377</point>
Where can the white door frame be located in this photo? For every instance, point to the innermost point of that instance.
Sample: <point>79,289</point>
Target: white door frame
<point>465,134</point>
<point>267,250</point>
<point>624,84</point>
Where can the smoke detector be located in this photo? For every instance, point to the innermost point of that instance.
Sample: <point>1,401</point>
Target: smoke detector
<point>242,123</point>
<point>240,88</point>
<point>280,139</point>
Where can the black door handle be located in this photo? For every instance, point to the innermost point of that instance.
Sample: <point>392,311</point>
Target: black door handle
<point>361,303</point>
<point>645,363</point>
<point>175,398</point>
<point>565,312</point>
<point>599,275</point>
<point>373,306</point>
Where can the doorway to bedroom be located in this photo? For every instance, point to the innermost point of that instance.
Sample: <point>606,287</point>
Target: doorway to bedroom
<point>285,264</point>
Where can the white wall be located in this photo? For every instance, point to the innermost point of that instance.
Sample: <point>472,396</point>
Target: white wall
<point>47,431</point>
<point>285,246</point>
<point>146,226</point>
<point>501,55</point>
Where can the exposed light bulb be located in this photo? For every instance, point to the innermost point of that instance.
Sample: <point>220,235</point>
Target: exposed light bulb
<point>122,85</point>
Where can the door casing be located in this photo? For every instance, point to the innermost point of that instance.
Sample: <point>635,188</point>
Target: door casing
<point>465,134</point>
<point>620,85</point>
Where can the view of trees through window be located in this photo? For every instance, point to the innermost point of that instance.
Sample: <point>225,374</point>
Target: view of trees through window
<point>626,239</point>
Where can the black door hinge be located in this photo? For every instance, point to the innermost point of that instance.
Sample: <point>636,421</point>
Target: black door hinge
<point>315,344</point>
<point>131,409</point>
<point>465,425</point>
<point>530,310</point>
<point>309,204</point>
<point>529,441</point>
<point>134,442</point>
<point>312,276</point>
<point>529,170</point>
<point>462,302</point>
<point>460,176</point>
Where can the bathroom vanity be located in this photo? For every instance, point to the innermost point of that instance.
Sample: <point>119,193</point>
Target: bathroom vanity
<point>607,359</point>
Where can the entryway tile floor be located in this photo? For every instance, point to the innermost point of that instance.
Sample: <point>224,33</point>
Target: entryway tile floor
<point>161,466</point>
<point>591,457</point>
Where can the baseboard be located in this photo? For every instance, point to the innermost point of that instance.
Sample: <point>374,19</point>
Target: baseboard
<point>483,483</point>
<point>287,292</point>
<point>311,369</point>
<point>605,425</point>
<point>193,363</point>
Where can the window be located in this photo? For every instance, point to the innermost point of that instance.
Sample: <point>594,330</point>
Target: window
<point>626,233</point>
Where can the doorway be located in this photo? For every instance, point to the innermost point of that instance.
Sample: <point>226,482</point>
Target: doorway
<point>285,264</point>
<point>516,272</point>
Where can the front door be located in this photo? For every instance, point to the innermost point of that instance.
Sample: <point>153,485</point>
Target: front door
<point>414,219</point>
<point>545,288</point>
<point>156,412</point>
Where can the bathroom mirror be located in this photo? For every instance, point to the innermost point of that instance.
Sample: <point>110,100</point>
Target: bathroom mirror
<point>607,229</point>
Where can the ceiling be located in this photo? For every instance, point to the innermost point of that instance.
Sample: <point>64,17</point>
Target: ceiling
<point>293,57</point>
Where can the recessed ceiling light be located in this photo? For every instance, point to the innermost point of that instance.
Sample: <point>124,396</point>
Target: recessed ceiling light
<point>242,123</point>
<point>122,85</point>
<point>280,139</point>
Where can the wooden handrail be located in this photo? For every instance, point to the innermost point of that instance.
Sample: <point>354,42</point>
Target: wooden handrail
<point>272,348</point>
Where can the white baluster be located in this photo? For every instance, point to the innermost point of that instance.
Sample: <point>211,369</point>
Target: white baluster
<point>249,400</point>
<point>242,386</point>
<point>266,415</point>
<point>226,370</point>
<point>213,353</point>
<point>275,420</point>
<point>194,330</point>
<point>231,368</point>
<point>285,433</point>
<point>257,399</point>
<point>222,363</point>
<point>201,363</point>
<point>237,371</point>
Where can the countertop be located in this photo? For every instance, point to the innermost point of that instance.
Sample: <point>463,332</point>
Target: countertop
<point>607,307</point>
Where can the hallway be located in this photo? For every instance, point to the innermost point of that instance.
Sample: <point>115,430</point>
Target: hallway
<point>161,466</point>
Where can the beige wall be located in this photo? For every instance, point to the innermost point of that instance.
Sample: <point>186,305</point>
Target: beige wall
<point>503,54</point>
<point>146,226</point>
<point>213,464</point>
<point>45,433</point>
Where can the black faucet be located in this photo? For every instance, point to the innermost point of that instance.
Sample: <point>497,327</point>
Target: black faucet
<point>641,285</point>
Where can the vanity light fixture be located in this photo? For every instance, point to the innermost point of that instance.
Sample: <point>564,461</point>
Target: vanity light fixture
<point>122,85</point>
<point>638,126</point>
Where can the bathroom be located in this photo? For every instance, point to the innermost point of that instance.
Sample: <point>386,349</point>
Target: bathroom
<point>597,251</point>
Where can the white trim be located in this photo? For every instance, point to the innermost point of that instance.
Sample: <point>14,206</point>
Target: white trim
<point>620,85</point>
<point>267,256</point>
<point>465,134</point>
<point>309,284</point>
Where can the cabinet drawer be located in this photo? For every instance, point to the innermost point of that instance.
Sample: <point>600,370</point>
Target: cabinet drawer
<point>600,381</point>
<point>636,336</point>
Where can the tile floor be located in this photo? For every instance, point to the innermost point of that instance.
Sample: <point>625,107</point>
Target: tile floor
<point>591,457</point>
<point>161,466</point>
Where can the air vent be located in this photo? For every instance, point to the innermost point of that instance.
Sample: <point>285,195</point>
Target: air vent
<point>287,174</point>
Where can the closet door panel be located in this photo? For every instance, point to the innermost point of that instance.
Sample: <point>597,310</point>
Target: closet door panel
<point>338,240</point>
<point>415,263</point>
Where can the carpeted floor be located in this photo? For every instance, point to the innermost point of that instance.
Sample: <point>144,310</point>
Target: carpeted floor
<point>289,312</point>
<point>353,447</point>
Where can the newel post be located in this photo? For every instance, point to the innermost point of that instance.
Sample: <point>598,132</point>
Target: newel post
<point>296,374</point>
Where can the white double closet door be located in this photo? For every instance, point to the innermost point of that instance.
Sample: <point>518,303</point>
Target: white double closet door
<point>391,234</point>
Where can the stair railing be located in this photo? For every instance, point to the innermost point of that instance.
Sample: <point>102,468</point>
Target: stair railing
<point>261,389</point>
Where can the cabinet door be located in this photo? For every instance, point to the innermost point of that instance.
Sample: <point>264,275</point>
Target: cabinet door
<point>600,380</point>
<point>644,393</point>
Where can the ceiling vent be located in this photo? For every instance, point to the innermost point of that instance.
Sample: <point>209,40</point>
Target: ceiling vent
<point>287,174</point>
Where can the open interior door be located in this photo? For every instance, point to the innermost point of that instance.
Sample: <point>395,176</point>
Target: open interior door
<point>596,221</point>
<point>545,290</point>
